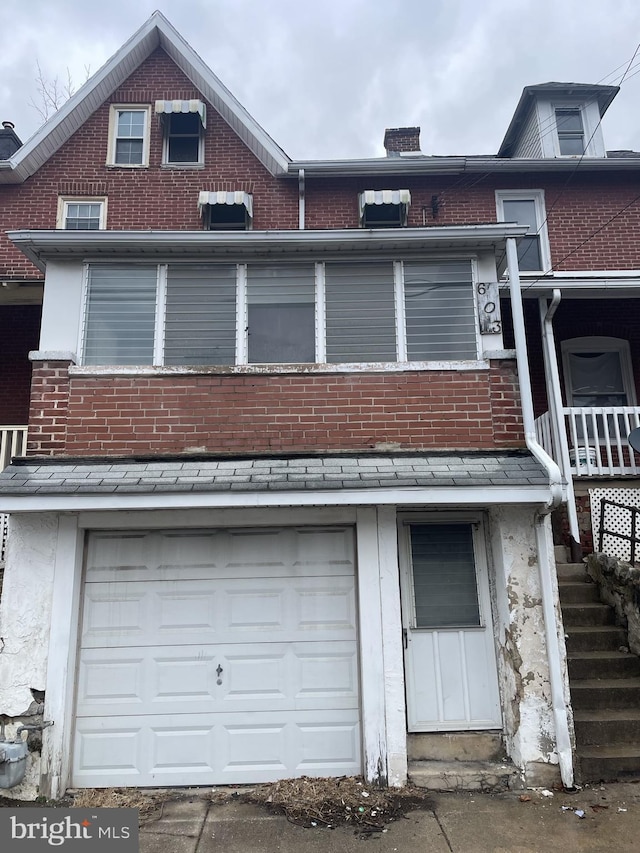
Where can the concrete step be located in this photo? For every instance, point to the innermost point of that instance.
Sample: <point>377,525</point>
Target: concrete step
<point>595,638</point>
<point>608,727</point>
<point>586,614</point>
<point>609,763</point>
<point>571,572</point>
<point>603,664</point>
<point>487,776</point>
<point>561,553</point>
<point>605,693</point>
<point>455,746</point>
<point>578,592</point>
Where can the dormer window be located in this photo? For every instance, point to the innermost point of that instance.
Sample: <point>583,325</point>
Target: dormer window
<point>226,211</point>
<point>184,123</point>
<point>384,208</point>
<point>570,132</point>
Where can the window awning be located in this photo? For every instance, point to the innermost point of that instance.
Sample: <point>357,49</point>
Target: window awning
<point>383,197</point>
<point>237,197</point>
<point>193,106</point>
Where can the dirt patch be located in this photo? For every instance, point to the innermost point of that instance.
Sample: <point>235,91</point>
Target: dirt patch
<point>345,800</point>
<point>149,803</point>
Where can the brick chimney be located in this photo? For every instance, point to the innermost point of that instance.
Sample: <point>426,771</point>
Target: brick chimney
<point>9,140</point>
<point>397,139</point>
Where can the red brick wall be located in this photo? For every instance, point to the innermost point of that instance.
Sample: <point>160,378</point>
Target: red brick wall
<point>277,413</point>
<point>161,198</point>
<point>153,197</point>
<point>19,332</point>
<point>576,210</point>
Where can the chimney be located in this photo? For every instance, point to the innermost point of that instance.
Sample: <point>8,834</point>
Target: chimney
<point>397,139</point>
<point>9,140</point>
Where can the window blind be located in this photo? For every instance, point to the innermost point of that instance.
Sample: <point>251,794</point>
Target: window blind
<point>360,312</point>
<point>200,321</point>
<point>120,314</point>
<point>444,576</point>
<point>439,309</point>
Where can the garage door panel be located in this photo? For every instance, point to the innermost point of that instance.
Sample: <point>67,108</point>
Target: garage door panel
<point>235,749</point>
<point>260,678</point>
<point>192,555</point>
<point>245,610</point>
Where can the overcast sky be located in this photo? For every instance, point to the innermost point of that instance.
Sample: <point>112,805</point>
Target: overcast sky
<point>326,77</point>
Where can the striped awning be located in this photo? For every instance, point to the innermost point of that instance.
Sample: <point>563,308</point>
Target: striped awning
<point>383,197</point>
<point>193,106</point>
<point>237,197</point>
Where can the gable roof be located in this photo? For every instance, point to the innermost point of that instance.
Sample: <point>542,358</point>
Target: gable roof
<point>155,32</point>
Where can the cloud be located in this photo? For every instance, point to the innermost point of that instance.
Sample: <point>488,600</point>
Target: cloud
<point>325,80</point>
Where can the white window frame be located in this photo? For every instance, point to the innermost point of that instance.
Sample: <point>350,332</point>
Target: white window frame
<point>595,343</point>
<point>187,164</point>
<point>575,108</point>
<point>241,359</point>
<point>65,201</point>
<point>114,112</point>
<point>537,197</point>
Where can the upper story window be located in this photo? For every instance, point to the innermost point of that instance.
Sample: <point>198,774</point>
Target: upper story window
<point>226,211</point>
<point>183,132</point>
<point>333,312</point>
<point>570,131</point>
<point>129,136</point>
<point>526,207</point>
<point>81,214</point>
<point>384,208</point>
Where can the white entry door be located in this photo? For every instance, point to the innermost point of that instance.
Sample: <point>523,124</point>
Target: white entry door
<point>217,657</point>
<point>450,664</point>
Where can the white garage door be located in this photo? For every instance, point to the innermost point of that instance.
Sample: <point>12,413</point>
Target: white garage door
<point>215,657</point>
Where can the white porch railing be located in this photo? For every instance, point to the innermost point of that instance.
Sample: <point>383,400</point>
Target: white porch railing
<point>13,442</point>
<point>597,439</point>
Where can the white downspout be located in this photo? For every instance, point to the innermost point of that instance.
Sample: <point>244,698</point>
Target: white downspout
<point>301,210</point>
<point>554,393</point>
<point>545,563</point>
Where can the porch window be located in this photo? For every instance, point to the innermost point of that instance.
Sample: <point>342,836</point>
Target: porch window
<point>333,312</point>
<point>280,314</point>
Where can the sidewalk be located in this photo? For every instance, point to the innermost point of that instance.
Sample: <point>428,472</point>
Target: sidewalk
<point>457,823</point>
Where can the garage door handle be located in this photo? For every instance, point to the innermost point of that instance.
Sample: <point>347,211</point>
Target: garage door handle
<point>219,671</point>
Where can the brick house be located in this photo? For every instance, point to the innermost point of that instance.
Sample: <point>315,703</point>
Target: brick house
<point>283,506</point>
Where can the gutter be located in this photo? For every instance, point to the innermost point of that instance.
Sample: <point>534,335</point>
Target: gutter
<point>545,562</point>
<point>426,165</point>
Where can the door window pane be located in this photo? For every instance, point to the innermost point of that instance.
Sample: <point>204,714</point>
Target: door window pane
<point>444,576</point>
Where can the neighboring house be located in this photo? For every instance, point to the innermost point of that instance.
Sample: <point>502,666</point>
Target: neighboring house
<point>282,509</point>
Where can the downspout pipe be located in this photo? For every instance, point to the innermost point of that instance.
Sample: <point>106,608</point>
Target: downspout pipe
<point>554,394</point>
<point>545,562</point>
<point>301,210</point>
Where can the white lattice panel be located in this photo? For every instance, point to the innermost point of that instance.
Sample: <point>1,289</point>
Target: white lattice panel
<point>4,530</point>
<point>617,520</point>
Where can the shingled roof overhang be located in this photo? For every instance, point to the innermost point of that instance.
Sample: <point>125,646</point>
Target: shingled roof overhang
<point>42,246</point>
<point>436,479</point>
<point>155,32</point>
